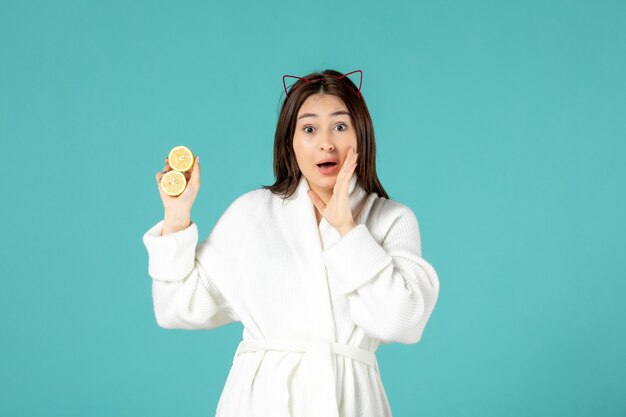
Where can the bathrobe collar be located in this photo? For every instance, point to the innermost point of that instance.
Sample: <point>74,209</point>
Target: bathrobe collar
<point>355,191</point>
<point>307,241</point>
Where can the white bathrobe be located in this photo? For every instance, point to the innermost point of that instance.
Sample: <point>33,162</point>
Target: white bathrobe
<point>315,306</point>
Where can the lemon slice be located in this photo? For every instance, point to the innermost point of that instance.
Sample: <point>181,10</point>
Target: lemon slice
<point>180,158</point>
<point>173,183</point>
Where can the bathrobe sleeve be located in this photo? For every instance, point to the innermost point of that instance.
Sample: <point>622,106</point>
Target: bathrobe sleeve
<point>190,280</point>
<point>391,289</point>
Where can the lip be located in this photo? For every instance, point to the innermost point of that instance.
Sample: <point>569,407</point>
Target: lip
<point>328,171</point>
<point>321,161</point>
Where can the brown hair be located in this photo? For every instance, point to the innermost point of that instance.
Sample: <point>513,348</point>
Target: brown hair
<point>286,168</point>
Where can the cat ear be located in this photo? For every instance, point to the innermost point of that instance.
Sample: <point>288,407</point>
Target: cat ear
<point>315,79</point>
<point>285,85</point>
<point>360,78</point>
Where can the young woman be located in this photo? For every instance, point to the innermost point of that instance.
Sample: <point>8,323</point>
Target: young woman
<point>320,268</point>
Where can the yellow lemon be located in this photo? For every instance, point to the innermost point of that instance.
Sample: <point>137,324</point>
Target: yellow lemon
<point>173,183</point>
<point>180,158</point>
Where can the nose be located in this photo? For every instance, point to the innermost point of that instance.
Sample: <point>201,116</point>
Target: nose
<point>326,143</point>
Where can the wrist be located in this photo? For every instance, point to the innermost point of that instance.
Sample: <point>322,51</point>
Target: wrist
<point>175,221</point>
<point>177,215</point>
<point>346,229</point>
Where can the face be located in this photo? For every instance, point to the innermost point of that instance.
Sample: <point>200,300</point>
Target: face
<point>324,130</point>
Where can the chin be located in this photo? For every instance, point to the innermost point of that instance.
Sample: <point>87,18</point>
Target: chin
<point>328,183</point>
<point>323,182</point>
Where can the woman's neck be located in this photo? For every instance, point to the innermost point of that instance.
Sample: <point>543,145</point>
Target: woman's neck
<point>318,216</point>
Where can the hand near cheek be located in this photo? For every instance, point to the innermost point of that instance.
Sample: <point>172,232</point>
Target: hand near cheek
<point>337,211</point>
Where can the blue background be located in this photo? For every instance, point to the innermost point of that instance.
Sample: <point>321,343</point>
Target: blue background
<point>501,124</point>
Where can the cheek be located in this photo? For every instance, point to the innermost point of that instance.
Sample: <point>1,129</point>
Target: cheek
<point>302,146</point>
<point>300,150</point>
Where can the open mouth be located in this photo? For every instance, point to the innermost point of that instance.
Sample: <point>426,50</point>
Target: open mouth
<point>327,164</point>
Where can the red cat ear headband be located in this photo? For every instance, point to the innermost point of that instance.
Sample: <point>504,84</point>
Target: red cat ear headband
<point>317,79</point>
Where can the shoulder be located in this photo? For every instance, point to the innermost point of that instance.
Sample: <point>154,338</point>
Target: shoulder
<point>391,214</point>
<point>390,210</point>
<point>235,221</point>
<point>244,209</point>
<point>253,199</point>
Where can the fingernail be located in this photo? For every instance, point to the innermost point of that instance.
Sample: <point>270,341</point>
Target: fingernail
<point>198,158</point>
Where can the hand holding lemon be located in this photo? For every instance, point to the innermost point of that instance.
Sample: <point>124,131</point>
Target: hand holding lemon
<point>178,184</point>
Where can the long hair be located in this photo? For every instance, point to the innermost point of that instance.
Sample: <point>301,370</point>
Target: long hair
<point>286,168</point>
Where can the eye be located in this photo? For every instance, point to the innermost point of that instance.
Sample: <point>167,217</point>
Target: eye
<point>307,127</point>
<point>344,126</point>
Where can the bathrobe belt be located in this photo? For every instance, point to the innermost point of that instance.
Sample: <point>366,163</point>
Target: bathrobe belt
<point>317,366</point>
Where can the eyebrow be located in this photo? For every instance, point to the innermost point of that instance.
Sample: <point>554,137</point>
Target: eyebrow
<point>337,113</point>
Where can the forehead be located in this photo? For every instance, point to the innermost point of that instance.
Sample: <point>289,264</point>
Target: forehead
<point>321,104</point>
